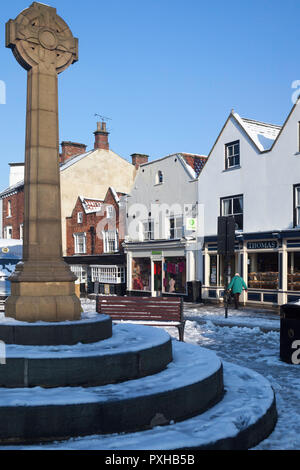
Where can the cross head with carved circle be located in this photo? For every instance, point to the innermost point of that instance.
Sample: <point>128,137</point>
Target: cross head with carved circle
<point>38,36</point>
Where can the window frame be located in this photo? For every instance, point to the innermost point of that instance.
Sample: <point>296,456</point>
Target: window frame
<point>226,198</point>
<point>108,274</point>
<point>296,222</point>
<point>159,179</point>
<point>5,232</point>
<point>110,241</point>
<point>177,229</point>
<point>148,229</point>
<point>77,245</point>
<point>9,213</point>
<point>109,211</point>
<point>80,217</point>
<point>234,155</point>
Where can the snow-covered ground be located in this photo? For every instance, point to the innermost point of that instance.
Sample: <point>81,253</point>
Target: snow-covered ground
<point>251,339</point>
<point>251,346</point>
<point>254,343</point>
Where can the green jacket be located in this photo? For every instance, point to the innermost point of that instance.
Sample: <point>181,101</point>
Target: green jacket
<point>237,284</point>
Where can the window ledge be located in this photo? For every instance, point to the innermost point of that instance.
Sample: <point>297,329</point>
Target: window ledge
<point>237,167</point>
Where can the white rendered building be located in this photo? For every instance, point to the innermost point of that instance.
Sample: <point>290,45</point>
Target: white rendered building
<point>162,237</point>
<point>253,173</point>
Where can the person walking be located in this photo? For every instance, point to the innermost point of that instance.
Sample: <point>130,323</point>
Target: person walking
<point>237,285</point>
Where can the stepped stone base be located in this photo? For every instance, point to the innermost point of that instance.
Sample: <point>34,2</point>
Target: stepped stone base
<point>50,334</point>
<point>147,353</point>
<point>136,389</point>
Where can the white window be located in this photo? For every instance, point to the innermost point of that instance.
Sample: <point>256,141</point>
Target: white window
<point>297,205</point>
<point>159,179</point>
<point>109,212</point>
<point>80,272</point>
<point>108,274</point>
<point>176,226</point>
<point>148,230</point>
<point>21,232</point>
<point>110,241</point>
<point>233,206</point>
<point>80,242</point>
<point>8,232</point>
<point>80,217</point>
<point>8,208</point>
<point>232,154</point>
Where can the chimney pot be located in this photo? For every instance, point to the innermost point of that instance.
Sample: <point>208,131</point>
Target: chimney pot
<point>101,137</point>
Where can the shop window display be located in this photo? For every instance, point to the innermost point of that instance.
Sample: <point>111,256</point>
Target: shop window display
<point>213,270</point>
<point>294,271</point>
<point>263,271</point>
<point>175,275</point>
<point>141,274</point>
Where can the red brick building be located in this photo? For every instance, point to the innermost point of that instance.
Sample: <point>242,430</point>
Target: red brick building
<point>13,212</point>
<point>94,243</point>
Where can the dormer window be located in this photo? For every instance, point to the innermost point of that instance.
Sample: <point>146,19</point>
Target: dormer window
<point>232,154</point>
<point>159,178</point>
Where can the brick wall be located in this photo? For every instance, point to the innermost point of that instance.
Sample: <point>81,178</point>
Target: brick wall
<point>70,149</point>
<point>17,212</point>
<point>88,221</point>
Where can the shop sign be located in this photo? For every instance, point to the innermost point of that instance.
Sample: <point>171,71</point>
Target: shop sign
<point>5,250</point>
<point>156,255</point>
<point>106,289</point>
<point>190,224</point>
<point>268,244</point>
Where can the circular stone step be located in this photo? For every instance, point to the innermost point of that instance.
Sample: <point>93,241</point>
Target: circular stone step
<point>133,351</point>
<point>90,329</point>
<point>243,418</point>
<point>188,386</point>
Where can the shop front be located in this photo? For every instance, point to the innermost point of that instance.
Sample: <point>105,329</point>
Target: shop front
<point>99,274</point>
<point>214,273</point>
<point>159,270</point>
<point>269,263</point>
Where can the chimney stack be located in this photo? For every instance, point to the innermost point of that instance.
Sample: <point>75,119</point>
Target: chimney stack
<point>101,137</point>
<point>69,149</point>
<point>138,159</point>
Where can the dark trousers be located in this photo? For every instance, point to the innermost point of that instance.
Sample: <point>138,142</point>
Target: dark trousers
<point>236,300</point>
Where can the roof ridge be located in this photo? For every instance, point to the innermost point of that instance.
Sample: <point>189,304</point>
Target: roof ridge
<point>261,123</point>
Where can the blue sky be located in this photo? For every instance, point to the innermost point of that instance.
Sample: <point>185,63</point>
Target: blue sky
<point>167,72</point>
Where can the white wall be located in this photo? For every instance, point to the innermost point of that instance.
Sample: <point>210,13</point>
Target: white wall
<point>178,188</point>
<point>265,179</point>
<point>16,174</point>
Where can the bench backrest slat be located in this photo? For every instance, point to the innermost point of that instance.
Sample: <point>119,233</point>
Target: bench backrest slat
<point>144,308</point>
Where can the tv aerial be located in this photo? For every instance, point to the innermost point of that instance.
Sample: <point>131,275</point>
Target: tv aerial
<point>103,118</point>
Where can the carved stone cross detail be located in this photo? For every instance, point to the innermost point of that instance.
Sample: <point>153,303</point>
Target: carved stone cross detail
<point>39,36</point>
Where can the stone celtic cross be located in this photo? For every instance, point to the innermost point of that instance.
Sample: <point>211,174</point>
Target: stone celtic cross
<point>42,287</point>
<point>39,37</point>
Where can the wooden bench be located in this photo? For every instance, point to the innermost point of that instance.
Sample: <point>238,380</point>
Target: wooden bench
<point>153,311</point>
